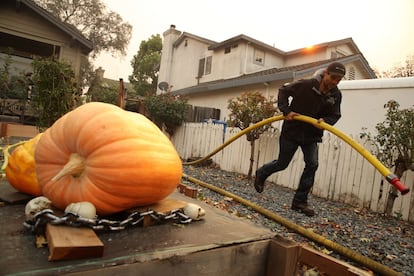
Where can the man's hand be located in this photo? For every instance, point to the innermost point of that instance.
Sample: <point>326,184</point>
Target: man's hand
<point>290,116</point>
<point>318,124</point>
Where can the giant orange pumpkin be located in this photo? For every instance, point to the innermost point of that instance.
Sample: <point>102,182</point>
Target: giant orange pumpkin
<point>110,157</point>
<point>20,170</point>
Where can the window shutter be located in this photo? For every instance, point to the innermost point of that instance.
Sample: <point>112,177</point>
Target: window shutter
<point>201,67</point>
<point>208,65</point>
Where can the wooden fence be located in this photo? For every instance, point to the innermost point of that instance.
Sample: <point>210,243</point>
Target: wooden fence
<point>343,174</point>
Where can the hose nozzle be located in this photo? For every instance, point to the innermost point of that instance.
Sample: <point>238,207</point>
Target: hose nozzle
<point>395,181</point>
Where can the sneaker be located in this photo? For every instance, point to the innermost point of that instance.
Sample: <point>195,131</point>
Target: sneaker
<point>259,182</point>
<point>303,208</point>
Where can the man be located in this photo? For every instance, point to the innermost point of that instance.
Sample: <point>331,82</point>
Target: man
<point>320,98</point>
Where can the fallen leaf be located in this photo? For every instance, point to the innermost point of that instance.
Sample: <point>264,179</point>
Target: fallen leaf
<point>365,240</point>
<point>40,241</point>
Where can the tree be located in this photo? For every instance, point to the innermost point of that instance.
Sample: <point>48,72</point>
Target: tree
<point>146,66</point>
<point>55,90</point>
<point>395,143</point>
<point>105,29</point>
<point>248,109</point>
<point>401,71</point>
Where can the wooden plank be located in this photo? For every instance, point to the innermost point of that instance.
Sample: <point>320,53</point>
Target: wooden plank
<point>68,243</point>
<point>3,130</point>
<point>282,257</point>
<point>328,264</point>
<point>232,260</point>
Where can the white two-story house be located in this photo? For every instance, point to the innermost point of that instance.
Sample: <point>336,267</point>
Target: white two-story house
<point>210,73</point>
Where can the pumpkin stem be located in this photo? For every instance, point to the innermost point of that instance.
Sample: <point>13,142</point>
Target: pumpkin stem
<point>74,167</point>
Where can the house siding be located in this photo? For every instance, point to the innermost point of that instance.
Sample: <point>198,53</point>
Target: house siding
<point>27,24</point>
<point>185,60</point>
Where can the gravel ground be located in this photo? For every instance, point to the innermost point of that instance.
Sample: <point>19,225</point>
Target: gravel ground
<point>386,240</point>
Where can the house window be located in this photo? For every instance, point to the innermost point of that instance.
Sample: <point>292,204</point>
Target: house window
<point>227,50</point>
<point>202,114</point>
<point>204,66</point>
<point>337,53</point>
<point>259,56</point>
<point>27,48</point>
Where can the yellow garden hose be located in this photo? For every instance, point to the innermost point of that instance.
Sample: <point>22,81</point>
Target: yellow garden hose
<point>391,178</point>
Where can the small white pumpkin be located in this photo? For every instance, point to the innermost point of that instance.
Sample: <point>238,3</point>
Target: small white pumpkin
<point>194,211</point>
<point>83,209</point>
<point>36,205</point>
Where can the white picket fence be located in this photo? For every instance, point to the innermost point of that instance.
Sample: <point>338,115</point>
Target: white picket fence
<point>343,174</point>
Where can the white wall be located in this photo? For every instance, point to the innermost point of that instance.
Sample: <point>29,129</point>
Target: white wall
<point>363,102</point>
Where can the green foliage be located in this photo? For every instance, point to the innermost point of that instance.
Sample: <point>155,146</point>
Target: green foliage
<point>248,109</point>
<point>395,136</point>
<point>145,65</point>
<point>55,90</point>
<point>166,110</point>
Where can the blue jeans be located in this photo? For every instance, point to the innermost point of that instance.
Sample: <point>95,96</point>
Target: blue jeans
<point>287,149</point>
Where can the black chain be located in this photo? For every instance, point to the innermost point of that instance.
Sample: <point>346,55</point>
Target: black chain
<point>72,219</point>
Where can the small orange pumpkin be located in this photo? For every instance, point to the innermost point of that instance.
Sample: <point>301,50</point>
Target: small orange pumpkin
<point>20,170</point>
<point>113,158</point>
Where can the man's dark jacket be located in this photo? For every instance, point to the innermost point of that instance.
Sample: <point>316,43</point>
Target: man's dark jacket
<point>304,97</point>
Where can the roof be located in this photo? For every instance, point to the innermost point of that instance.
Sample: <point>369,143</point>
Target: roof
<point>65,27</point>
<point>272,74</point>
<point>402,82</point>
<point>213,45</point>
<point>231,41</point>
<point>115,83</point>
<point>348,41</point>
<point>184,35</point>
<point>246,38</point>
